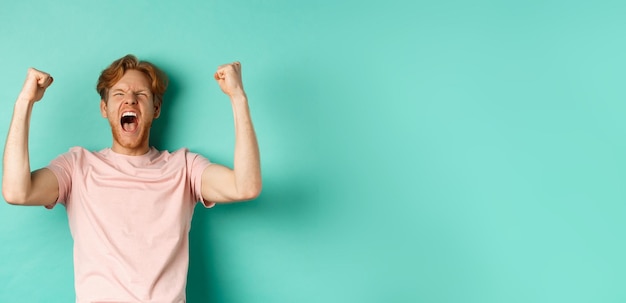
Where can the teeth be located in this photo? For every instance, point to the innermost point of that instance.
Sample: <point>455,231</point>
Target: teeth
<point>129,114</point>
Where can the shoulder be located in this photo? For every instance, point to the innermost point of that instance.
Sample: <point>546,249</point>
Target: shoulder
<point>181,153</point>
<point>75,152</point>
<point>80,154</point>
<point>177,156</point>
<point>75,157</point>
<point>193,160</point>
<point>79,150</point>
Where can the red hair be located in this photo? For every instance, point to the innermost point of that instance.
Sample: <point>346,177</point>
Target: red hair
<point>157,78</point>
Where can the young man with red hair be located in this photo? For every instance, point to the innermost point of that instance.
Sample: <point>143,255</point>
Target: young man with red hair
<point>130,206</point>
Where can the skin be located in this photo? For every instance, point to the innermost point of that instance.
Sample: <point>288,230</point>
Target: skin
<point>220,184</point>
<point>130,94</point>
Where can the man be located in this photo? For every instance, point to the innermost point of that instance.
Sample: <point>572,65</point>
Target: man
<point>130,206</point>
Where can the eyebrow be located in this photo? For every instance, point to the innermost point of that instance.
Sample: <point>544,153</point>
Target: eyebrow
<point>143,90</point>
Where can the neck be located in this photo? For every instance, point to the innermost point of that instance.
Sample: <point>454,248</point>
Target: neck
<point>131,151</point>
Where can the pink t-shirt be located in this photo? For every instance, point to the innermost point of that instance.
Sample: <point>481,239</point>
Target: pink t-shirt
<point>130,218</point>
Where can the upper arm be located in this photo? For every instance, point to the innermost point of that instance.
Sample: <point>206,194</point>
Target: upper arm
<point>44,188</point>
<point>218,184</point>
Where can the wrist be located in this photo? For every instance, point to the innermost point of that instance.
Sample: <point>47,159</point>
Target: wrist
<point>239,97</point>
<point>23,107</point>
<point>24,100</point>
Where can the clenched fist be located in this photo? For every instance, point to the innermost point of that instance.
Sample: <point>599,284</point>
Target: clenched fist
<point>35,85</point>
<point>228,76</point>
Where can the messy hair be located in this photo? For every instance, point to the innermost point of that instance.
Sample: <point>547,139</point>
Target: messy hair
<point>157,78</point>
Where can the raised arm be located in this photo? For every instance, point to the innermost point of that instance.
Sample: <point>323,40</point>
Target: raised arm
<point>19,185</point>
<point>220,183</point>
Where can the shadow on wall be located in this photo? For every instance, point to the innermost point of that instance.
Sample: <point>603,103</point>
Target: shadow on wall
<point>283,203</point>
<point>160,132</point>
<point>290,198</point>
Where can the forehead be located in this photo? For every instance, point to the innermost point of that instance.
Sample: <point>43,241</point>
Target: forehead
<point>132,79</point>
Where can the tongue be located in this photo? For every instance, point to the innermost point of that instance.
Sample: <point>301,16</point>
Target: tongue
<point>129,127</point>
<point>129,124</point>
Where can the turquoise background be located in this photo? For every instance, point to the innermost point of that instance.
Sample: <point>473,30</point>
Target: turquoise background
<point>412,151</point>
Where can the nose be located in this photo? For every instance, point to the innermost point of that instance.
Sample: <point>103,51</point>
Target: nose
<point>130,99</point>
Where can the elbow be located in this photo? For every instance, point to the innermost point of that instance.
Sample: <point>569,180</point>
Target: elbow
<point>12,197</point>
<point>252,192</point>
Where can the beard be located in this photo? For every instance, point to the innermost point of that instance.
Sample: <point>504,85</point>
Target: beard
<point>137,140</point>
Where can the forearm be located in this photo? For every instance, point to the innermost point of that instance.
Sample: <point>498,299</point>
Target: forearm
<point>16,176</point>
<point>247,166</point>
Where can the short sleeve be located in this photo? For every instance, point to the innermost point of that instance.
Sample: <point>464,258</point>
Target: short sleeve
<point>62,167</point>
<point>196,164</point>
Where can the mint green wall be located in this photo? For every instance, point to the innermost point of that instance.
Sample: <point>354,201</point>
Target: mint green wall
<point>413,151</point>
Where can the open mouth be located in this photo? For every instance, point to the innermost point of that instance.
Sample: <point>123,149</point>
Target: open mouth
<point>129,121</point>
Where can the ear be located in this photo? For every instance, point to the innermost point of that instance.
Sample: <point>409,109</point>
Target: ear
<point>103,108</point>
<point>157,111</point>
